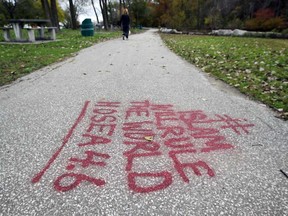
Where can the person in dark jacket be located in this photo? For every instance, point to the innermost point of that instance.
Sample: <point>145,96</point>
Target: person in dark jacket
<point>125,23</point>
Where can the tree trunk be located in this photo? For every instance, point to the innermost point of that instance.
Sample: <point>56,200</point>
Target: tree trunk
<point>54,14</point>
<point>103,6</point>
<point>95,11</point>
<point>46,8</point>
<point>106,13</point>
<point>72,14</point>
<point>120,7</point>
<point>198,15</point>
<point>278,8</point>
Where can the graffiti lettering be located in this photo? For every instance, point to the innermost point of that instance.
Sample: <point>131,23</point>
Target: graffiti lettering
<point>132,177</point>
<point>98,132</point>
<point>78,178</point>
<point>152,133</point>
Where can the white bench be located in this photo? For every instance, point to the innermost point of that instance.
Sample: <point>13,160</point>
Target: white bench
<point>51,31</point>
<point>31,33</point>
<point>6,31</point>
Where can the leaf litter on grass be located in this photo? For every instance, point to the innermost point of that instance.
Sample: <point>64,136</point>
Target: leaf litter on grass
<point>257,67</point>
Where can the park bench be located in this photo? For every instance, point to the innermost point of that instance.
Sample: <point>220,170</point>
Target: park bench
<point>31,33</point>
<point>6,32</point>
<point>19,25</point>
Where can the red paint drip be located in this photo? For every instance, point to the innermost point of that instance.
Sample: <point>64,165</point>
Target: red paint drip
<point>39,175</point>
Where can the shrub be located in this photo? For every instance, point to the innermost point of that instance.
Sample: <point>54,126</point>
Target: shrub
<point>235,24</point>
<point>254,24</point>
<point>260,24</point>
<point>265,21</point>
<point>274,23</point>
<point>285,31</point>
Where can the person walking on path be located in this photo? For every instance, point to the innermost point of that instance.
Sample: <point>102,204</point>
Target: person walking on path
<point>125,23</point>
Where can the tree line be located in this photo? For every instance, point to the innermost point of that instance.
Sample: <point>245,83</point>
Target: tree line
<point>30,9</point>
<point>260,15</point>
<point>215,14</point>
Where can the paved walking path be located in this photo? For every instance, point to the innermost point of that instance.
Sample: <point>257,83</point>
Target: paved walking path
<point>129,128</point>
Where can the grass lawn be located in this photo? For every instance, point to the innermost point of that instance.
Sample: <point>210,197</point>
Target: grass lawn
<point>257,67</point>
<point>17,60</point>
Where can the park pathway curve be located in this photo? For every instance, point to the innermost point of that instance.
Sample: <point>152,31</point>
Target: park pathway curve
<point>129,128</point>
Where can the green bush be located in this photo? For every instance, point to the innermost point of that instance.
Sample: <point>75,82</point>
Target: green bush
<point>262,24</point>
<point>285,31</point>
<point>274,23</point>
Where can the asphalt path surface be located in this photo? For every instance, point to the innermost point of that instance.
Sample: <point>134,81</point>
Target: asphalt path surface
<point>129,128</point>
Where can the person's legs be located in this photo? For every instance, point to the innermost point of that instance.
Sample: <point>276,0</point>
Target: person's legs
<point>126,31</point>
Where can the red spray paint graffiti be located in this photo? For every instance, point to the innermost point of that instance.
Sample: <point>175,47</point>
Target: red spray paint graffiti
<point>150,132</point>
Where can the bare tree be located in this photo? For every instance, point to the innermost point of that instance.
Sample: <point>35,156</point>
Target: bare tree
<point>92,2</point>
<point>72,14</point>
<point>46,8</point>
<point>54,14</point>
<point>104,10</point>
